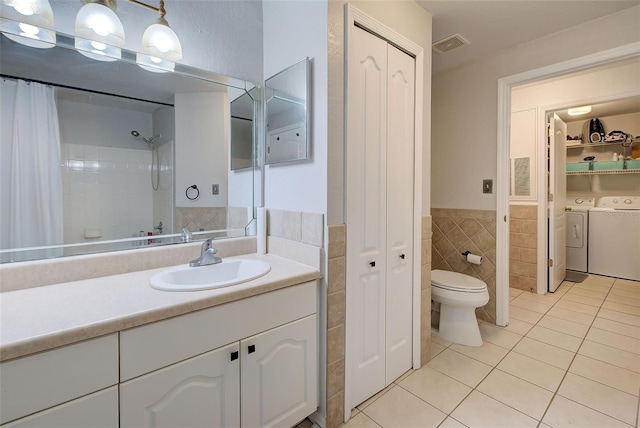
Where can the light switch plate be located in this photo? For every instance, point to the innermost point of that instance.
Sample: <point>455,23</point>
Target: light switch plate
<point>215,189</point>
<point>487,185</point>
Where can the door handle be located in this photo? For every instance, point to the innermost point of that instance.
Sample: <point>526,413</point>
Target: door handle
<point>402,256</point>
<point>372,264</point>
<point>575,231</point>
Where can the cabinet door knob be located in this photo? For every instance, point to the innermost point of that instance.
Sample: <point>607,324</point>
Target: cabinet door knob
<point>252,349</point>
<point>234,355</point>
<point>372,264</point>
<point>402,256</point>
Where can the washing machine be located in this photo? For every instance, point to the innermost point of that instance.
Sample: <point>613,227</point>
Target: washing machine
<point>577,227</point>
<point>614,237</point>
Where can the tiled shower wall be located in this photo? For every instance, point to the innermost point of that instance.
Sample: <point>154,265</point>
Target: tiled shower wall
<point>98,182</point>
<point>456,231</point>
<point>523,247</point>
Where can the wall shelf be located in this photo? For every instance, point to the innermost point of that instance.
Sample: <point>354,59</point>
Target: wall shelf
<point>605,172</point>
<point>634,142</point>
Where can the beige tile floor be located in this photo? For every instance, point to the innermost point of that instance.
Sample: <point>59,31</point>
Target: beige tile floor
<point>567,359</point>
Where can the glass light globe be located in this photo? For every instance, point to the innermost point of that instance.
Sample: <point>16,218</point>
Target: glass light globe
<point>160,41</point>
<point>34,12</point>
<point>97,22</point>
<point>28,22</point>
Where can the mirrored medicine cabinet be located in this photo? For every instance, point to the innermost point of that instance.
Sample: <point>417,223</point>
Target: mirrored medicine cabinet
<point>287,96</point>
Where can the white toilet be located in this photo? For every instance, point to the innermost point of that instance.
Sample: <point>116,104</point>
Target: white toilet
<point>459,295</point>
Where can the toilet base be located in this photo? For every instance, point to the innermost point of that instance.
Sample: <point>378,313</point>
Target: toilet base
<point>459,325</point>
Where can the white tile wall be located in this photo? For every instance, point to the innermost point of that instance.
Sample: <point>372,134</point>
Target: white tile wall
<point>109,189</point>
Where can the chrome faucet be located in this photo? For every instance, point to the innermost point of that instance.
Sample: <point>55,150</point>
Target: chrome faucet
<point>207,255</point>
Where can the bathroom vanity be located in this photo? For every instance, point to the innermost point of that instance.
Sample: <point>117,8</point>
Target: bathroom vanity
<point>131,356</point>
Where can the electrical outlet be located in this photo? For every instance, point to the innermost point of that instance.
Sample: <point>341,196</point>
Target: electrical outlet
<point>487,185</point>
<point>215,189</point>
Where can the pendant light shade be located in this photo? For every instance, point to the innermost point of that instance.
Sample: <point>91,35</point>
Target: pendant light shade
<point>28,22</point>
<point>160,46</point>
<point>161,41</point>
<point>99,32</point>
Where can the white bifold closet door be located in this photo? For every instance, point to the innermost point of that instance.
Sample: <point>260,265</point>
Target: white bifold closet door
<point>379,206</point>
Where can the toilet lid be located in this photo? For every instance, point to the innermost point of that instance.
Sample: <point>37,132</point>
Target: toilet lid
<point>456,281</point>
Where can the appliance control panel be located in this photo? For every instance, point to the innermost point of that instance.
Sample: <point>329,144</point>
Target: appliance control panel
<point>581,202</point>
<point>619,202</point>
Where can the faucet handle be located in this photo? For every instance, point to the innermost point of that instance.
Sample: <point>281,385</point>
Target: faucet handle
<point>207,244</point>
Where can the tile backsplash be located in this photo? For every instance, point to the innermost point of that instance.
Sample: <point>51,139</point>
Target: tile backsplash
<point>296,235</point>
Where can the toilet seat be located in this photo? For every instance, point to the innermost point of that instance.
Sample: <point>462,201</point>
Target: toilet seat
<point>457,282</point>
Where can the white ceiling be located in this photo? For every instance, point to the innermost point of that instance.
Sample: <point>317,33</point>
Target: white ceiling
<point>491,26</point>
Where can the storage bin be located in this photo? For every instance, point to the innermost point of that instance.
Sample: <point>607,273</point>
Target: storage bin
<point>633,163</point>
<point>607,165</point>
<point>579,166</point>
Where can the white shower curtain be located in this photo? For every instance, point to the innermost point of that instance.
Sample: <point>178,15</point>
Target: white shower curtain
<point>36,205</point>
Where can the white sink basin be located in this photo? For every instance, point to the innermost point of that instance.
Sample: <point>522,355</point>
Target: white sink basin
<point>229,272</point>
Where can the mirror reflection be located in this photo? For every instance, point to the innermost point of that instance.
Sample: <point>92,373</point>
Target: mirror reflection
<point>242,125</point>
<point>287,113</point>
<point>98,156</point>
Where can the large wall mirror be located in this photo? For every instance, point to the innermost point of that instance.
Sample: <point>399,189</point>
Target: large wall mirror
<point>101,156</point>
<point>287,113</point>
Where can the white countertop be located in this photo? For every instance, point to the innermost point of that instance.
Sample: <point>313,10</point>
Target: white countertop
<point>41,318</point>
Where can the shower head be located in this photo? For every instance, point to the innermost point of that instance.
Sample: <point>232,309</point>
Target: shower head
<point>148,141</point>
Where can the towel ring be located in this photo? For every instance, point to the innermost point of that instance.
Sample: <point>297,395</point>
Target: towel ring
<point>197,195</point>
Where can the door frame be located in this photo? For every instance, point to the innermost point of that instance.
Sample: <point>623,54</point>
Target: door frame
<point>505,85</point>
<point>355,16</point>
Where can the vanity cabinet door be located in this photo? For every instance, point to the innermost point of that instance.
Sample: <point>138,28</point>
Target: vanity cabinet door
<point>279,375</point>
<point>44,380</point>
<point>203,391</point>
<point>98,410</point>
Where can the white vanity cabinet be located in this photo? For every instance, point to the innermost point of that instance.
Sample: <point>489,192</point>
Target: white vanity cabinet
<point>279,375</point>
<point>71,386</point>
<point>203,391</point>
<point>97,410</point>
<point>251,362</point>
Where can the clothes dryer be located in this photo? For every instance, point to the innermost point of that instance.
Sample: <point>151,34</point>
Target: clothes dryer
<point>577,227</point>
<point>614,237</point>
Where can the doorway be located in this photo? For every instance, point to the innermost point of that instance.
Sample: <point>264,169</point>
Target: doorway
<point>505,87</point>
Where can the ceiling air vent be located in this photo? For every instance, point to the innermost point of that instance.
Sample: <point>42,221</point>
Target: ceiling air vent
<point>449,43</point>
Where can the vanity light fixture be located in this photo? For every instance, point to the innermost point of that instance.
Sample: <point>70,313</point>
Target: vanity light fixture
<point>28,22</point>
<point>577,111</point>
<point>99,32</point>
<point>160,45</point>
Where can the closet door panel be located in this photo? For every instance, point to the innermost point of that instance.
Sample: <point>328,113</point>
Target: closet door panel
<point>366,196</point>
<point>400,189</point>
